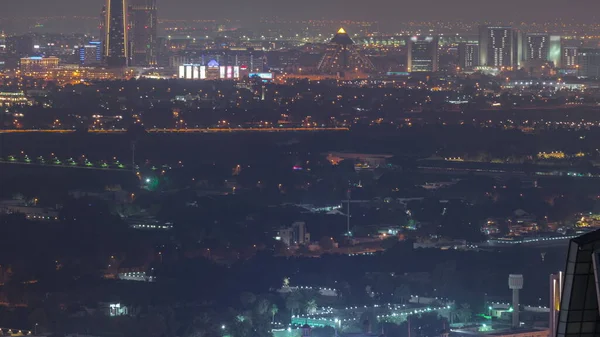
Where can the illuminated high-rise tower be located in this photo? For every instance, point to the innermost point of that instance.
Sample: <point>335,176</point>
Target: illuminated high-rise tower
<point>116,44</point>
<point>422,54</point>
<point>537,46</point>
<point>569,57</point>
<point>468,55</point>
<point>342,56</point>
<point>500,47</point>
<point>102,27</point>
<point>588,62</point>
<point>143,30</point>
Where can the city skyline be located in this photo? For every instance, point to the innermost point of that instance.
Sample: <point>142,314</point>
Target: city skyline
<point>186,168</point>
<point>381,10</point>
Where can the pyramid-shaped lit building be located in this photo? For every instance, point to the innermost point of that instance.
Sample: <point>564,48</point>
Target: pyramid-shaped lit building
<point>342,56</point>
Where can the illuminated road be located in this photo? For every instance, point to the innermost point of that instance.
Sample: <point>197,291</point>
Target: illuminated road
<point>531,241</point>
<point>15,332</point>
<point>196,130</point>
<point>386,312</point>
<point>507,172</point>
<point>125,169</point>
<point>82,163</point>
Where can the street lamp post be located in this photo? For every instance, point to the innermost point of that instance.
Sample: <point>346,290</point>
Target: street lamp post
<point>133,156</point>
<point>338,325</point>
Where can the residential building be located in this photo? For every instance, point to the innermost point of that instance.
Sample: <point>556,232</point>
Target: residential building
<point>294,235</point>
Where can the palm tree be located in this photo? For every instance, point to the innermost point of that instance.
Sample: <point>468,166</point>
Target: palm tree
<point>453,315</point>
<point>311,306</point>
<point>247,299</point>
<point>274,310</point>
<point>465,313</point>
<point>201,326</point>
<point>292,302</point>
<point>262,306</point>
<point>402,293</point>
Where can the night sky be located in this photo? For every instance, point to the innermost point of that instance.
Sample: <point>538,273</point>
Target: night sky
<point>382,10</point>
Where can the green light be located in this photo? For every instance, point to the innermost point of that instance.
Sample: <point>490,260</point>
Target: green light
<point>151,183</point>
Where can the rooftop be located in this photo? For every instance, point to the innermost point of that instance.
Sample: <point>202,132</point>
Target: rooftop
<point>342,38</point>
<point>518,331</point>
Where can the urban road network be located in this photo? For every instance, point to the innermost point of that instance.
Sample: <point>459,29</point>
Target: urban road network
<point>82,163</point>
<point>191,130</point>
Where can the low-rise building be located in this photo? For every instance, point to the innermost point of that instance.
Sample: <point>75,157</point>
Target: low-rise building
<point>18,98</point>
<point>519,332</point>
<point>114,309</point>
<point>441,244</point>
<point>294,235</point>
<point>31,212</point>
<point>140,276</point>
<point>37,64</point>
<point>362,160</point>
